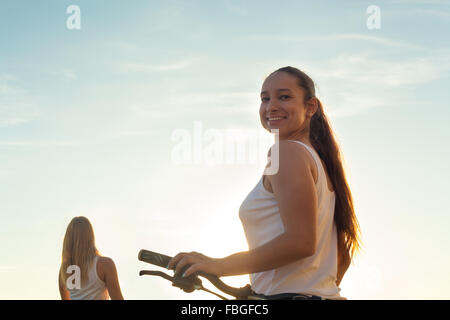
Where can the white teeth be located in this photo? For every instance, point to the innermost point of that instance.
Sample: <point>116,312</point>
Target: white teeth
<point>270,119</point>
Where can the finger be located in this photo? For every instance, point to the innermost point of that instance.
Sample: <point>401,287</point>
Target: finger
<point>192,269</point>
<point>174,261</point>
<point>186,260</point>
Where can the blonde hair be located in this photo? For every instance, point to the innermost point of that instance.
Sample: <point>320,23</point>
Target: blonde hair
<point>78,248</point>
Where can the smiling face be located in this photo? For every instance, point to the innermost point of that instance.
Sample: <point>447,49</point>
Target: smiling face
<point>283,107</point>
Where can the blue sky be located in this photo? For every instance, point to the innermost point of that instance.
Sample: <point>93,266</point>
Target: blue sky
<point>87,119</point>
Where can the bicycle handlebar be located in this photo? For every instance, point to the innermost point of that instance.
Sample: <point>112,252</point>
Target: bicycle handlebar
<point>157,259</point>
<point>191,282</point>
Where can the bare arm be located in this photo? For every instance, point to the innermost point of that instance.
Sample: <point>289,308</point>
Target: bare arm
<point>343,260</point>
<point>112,280</point>
<point>294,190</point>
<point>65,295</point>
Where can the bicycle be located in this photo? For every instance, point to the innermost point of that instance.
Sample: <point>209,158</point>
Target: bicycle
<point>193,282</point>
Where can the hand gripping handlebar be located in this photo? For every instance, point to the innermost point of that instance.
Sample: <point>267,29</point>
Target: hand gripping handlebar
<point>192,282</point>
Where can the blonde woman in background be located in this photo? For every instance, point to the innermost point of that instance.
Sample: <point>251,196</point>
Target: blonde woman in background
<point>99,279</point>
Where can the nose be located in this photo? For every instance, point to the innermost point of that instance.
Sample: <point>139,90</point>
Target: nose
<point>271,107</point>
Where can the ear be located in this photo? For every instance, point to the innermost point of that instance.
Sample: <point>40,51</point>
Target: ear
<point>311,107</point>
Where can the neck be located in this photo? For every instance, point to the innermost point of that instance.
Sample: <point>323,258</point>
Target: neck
<point>302,136</point>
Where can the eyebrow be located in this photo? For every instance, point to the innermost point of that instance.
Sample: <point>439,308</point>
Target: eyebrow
<point>277,90</point>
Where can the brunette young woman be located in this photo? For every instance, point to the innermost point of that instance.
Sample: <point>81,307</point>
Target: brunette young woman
<point>300,222</point>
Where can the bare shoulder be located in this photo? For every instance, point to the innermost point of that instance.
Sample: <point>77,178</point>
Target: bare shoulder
<point>292,154</point>
<point>294,147</point>
<point>294,160</point>
<point>104,266</point>
<point>105,262</point>
<point>291,148</point>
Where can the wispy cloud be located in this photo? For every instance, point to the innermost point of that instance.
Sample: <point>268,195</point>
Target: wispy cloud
<point>435,13</point>
<point>192,102</point>
<point>66,74</point>
<point>106,138</point>
<point>6,88</point>
<point>347,103</point>
<point>358,82</point>
<point>237,101</point>
<point>147,110</point>
<point>122,46</point>
<point>40,143</point>
<point>143,67</point>
<point>338,37</point>
<point>428,2</point>
<point>16,105</point>
<point>353,83</point>
<point>236,7</point>
<point>366,69</point>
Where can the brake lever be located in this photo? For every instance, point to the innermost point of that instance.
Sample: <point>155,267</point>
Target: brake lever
<point>192,282</point>
<point>238,293</point>
<point>187,284</point>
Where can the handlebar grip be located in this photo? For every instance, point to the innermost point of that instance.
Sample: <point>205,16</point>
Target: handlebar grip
<point>188,284</point>
<point>155,258</point>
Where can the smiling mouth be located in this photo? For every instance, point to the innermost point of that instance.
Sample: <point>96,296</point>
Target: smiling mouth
<point>275,118</point>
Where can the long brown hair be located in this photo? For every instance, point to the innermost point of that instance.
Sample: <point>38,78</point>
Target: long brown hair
<point>324,142</point>
<point>78,248</point>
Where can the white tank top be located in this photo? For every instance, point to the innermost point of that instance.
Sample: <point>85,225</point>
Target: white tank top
<point>315,275</point>
<point>94,289</point>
